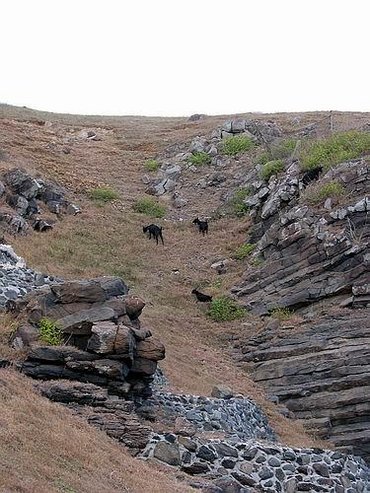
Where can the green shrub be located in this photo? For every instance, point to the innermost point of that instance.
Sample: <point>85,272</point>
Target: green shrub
<point>225,309</point>
<point>232,146</point>
<point>50,332</point>
<point>103,194</point>
<point>150,207</point>
<point>237,202</point>
<point>244,251</point>
<point>281,314</point>
<point>151,165</point>
<point>321,192</point>
<point>271,168</point>
<point>200,158</point>
<point>335,149</point>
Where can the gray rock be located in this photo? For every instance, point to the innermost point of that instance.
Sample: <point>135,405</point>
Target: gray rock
<point>168,453</point>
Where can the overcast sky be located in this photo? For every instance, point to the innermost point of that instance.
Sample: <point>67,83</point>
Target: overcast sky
<point>178,57</point>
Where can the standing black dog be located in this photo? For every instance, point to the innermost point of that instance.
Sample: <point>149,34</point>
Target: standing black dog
<point>202,225</point>
<point>203,298</point>
<point>155,231</point>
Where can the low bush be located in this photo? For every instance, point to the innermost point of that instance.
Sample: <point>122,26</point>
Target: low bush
<point>244,251</point>
<point>200,158</point>
<point>50,332</point>
<point>150,207</point>
<point>151,165</point>
<point>321,192</point>
<point>335,149</point>
<point>271,168</point>
<point>239,208</point>
<point>283,150</point>
<point>232,146</point>
<point>224,309</point>
<point>103,194</point>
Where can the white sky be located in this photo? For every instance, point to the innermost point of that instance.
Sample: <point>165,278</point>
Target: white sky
<point>178,57</point>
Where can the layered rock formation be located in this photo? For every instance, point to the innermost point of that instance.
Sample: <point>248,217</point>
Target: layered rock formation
<point>98,324</point>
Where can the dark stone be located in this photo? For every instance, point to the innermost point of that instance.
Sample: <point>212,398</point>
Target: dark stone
<point>206,453</point>
<point>228,463</point>
<point>321,469</point>
<point>243,478</point>
<point>168,453</point>
<point>225,450</point>
<point>195,468</point>
<point>265,473</point>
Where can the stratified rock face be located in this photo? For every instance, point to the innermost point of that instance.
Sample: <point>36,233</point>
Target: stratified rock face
<point>321,372</point>
<point>307,254</point>
<point>99,325</point>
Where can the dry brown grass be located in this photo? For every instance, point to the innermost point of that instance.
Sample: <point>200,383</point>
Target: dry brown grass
<point>44,449</point>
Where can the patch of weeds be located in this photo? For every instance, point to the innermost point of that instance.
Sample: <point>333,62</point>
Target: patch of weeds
<point>271,168</point>
<point>256,261</point>
<point>239,208</point>
<point>103,194</point>
<point>283,150</point>
<point>224,309</point>
<point>150,207</point>
<point>335,149</point>
<point>244,251</point>
<point>200,158</point>
<point>282,314</point>
<point>321,192</point>
<point>216,284</point>
<point>50,332</point>
<point>232,146</point>
<point>151,165</point>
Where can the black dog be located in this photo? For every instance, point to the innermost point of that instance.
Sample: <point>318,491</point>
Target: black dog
<point>202,225</point>
<point>204,298</point>
<point>311,175</point>
<point>155,231</point>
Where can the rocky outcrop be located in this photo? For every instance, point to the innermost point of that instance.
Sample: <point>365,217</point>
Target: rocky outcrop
<point>305,253</point>
<point>321,372</point>
<point>97,322</point>
<point>25,200</point>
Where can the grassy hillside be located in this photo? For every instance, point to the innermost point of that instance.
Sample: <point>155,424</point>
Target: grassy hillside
<point>107,238</point>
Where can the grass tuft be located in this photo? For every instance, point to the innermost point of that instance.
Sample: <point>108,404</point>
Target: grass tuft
<point>239,208</point>
<point>282,314</point>
<point>200,159</point>
<point>232,146</point>
<point>271,168</point>
<point>103,194</point>
<point>224,309</point>
<point>244,251</point>
<point>151,165</point>
<point>150,207</point>
<point>321,192</point>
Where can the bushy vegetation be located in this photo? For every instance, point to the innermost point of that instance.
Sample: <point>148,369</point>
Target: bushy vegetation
<point>283,150</point>
<point>239,208</point>
<point>281,314</point>
<point>232,146</point>
<point>335,149</point>
<point>224,309</point>
<point>151,165</point>
<point>244,251</point>
<point>321,192</point>
<point>200,158</point>
<point>150,207</point>
<point>271,168</point>
<point>50,332</point>
<point>103,194</point>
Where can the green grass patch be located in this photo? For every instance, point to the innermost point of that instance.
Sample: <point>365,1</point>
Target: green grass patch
<point>237,202</point>
<point>281,314</point>
<point>200,158</point>
<point>321,192</point>
<point>50,332</point>
<point>103,194</point>
<point>271,168</point>
<point>335,149</point>
<point>150,207</point>
<point>224,309</point>
<point>244,251</point>
<point>232,146</point>
<point>151,165</point>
